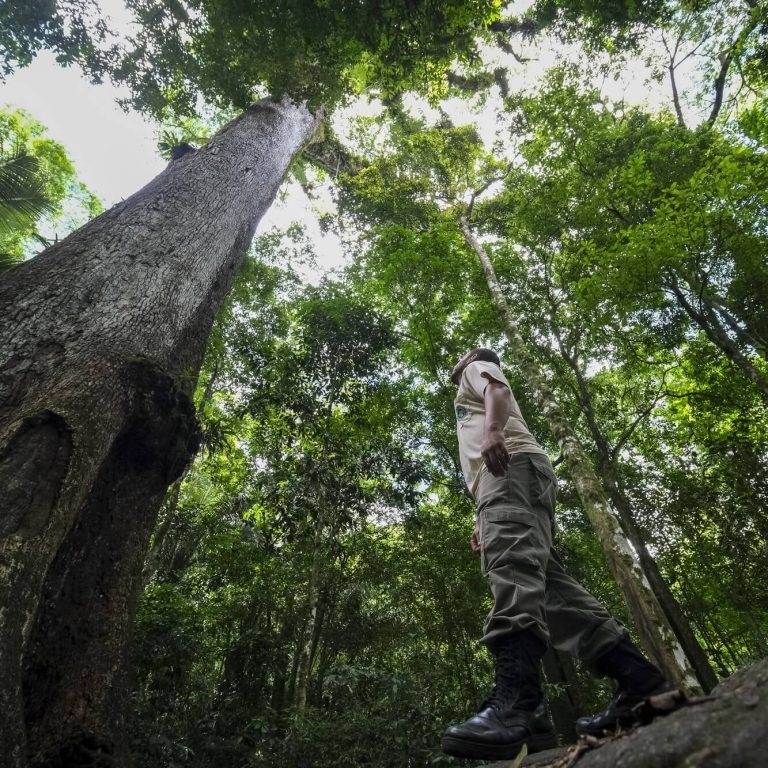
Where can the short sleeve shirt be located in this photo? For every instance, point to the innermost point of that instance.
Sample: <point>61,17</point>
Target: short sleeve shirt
<point>470,420</point>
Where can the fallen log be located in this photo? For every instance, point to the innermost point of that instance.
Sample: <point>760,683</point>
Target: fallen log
<point>727,729</point>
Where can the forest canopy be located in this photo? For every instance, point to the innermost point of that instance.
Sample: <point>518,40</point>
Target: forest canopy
<point>235,509</point>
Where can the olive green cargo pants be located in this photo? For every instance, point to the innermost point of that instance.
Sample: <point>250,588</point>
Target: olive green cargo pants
<point>531,589</point>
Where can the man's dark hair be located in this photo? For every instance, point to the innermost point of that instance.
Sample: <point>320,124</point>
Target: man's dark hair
<point>486,354</point>
<point>481,353</point>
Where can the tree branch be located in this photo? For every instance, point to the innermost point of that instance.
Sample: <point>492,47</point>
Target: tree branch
<point>483,188</point>
<point>512,26</point>
<point>507,48</point>
<point>726,59</point>
<point>725,63</point>
<point>671,69</point>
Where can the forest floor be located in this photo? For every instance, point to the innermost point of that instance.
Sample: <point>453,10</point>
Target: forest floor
<point>727,729</point>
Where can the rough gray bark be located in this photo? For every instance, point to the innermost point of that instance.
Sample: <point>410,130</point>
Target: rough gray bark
<point>725,730</point>
<point>650,622</point>
<point>101,341</point>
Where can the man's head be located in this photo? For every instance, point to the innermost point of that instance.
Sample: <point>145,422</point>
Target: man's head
<point>475,354</point>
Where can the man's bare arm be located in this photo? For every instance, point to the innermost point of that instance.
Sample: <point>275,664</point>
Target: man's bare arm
<point>498,407</point>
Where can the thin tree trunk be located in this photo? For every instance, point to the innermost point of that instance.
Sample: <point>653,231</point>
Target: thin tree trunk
<point>567,705</point>
<point>676,97</point>
<point>101,342</point>
<point>282,663</point>
<point>701,620</point>
<point>725,641</point>
<point>305,648</point>
<point>712,647</point>
<point>656,635</point>
<point>305,651</point>
<point>714,309</point>
<point>667,601</point>
<point>758,638</point>
<point>744,335</point>
<point>726,60</point>
<point>321,620</point>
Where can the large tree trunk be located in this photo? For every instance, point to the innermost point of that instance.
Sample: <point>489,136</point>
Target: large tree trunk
<point>655,633</point>
<point>101,342</point>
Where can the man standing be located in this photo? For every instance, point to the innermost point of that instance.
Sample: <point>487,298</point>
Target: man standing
<point>535,601</point>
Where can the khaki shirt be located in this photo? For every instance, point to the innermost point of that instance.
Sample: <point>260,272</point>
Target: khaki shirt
<point>470,421</point>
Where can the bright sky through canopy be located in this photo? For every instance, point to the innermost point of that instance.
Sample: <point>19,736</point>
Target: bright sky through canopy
<point>115,152</point>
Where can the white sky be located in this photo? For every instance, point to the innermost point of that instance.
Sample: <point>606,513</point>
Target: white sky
<point>115,152</point>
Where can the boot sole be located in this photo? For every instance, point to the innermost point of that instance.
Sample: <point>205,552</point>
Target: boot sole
<point>481,751</point>
<point>643,713</point>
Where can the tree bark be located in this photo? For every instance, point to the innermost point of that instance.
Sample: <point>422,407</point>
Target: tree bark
<point>655,633</point>
<point>101,343</point>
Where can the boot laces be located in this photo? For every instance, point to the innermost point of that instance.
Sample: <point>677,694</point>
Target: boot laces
<point>505,690</point>
<point>495,699</point>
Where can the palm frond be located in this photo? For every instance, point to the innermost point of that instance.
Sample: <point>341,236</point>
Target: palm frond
<point>23,197</point>
<point>8,260</point>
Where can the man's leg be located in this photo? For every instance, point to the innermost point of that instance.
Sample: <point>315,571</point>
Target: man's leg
<point>515,520</point>
<point>578,623</point>
<point>515,536</point>
<point>581,626</point>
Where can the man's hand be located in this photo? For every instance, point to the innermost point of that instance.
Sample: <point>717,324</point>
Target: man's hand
<point>474,541</point>
<point>494,452</point>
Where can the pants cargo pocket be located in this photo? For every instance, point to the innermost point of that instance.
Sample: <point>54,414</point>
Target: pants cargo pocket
<point>543,485</point>
<point>510,540</point>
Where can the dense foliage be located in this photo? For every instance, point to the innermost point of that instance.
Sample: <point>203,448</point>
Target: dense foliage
<point>230,51</point>
<point>310,598</point>
<point>38,186</point>
<point>630,248</point>
<point>74,29</point>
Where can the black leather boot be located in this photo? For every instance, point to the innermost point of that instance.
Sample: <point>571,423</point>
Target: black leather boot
<point>643,692</point>
<point>514,713</point>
